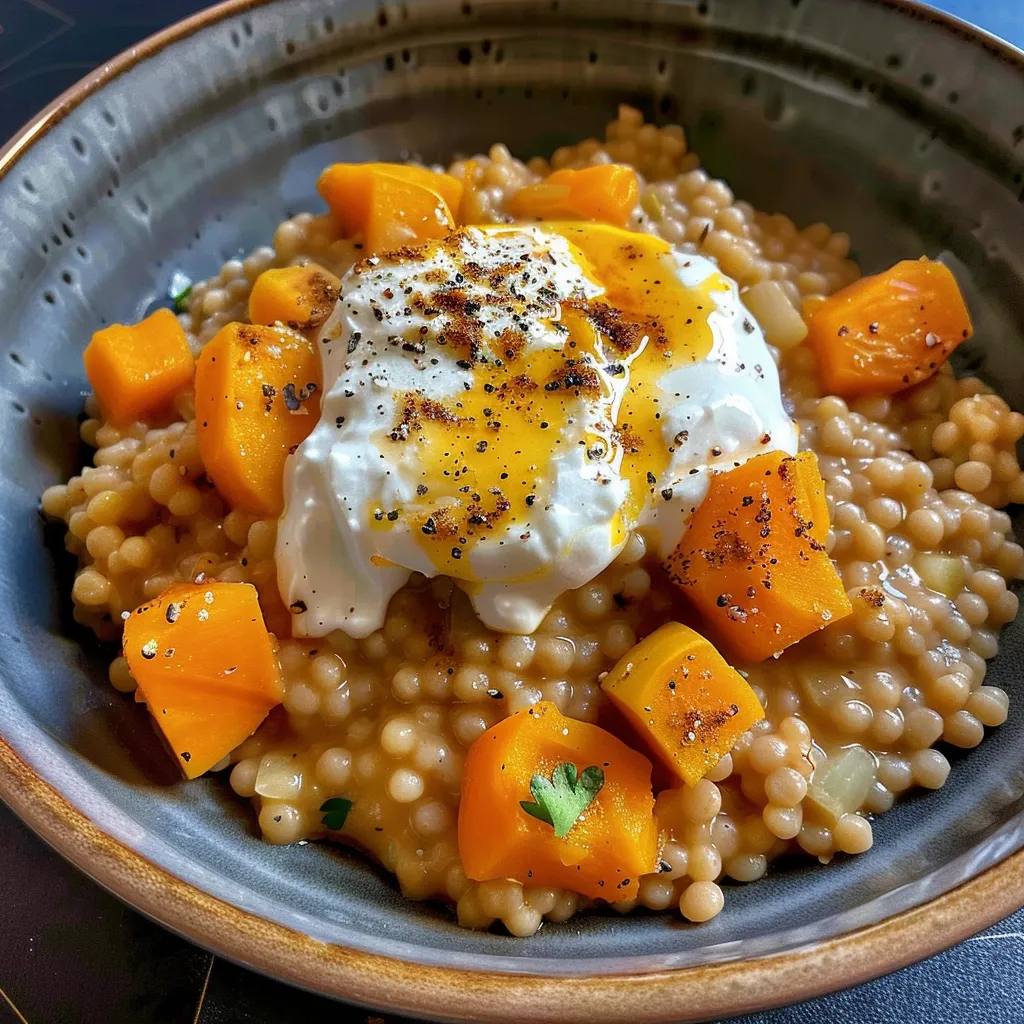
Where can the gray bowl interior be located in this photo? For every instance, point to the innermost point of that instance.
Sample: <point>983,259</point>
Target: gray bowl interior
<point>878,119</point>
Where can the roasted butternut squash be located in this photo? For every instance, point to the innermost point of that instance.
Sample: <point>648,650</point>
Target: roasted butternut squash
<point>606,193</point>
<point>753,561</point>
<point>205,668</point>
<point>612,841</point>
<point>136,370</point>
<point>403,213</point>
<point>391,205</point>
<point>684,699</point>
<point>298,297</point>
<point>257,399</point>
<point>810,496</point>
<point>885,333</point>
<point>470,171</point>
<point>447,186</point>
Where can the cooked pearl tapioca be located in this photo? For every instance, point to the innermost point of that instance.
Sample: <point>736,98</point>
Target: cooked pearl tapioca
<point>560,533</point>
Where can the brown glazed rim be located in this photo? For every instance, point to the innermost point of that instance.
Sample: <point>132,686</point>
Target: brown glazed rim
<point>692,993</point>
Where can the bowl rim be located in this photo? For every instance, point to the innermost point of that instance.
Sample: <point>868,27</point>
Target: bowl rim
<point>373,980</point>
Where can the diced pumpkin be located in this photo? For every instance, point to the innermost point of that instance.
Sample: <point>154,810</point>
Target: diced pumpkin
<point>136,370</point>
<point>391,205</point>
<point>810,305</point>
<point>753,562</point>
<point>468,178</point>
<point>205,667</point>
<point>299,297</point>
<point>447,186</point>
<point>810,495</point>
<point>257,398</point>
<point>403,213</point>
<point>683,698</point>
<point>606,193</point>
<point>884,333</point>
<point>612,843</point>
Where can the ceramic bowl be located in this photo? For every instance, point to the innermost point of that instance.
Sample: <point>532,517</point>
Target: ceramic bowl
<point>887,120</point>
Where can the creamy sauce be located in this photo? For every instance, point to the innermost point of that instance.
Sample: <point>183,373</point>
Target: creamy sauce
<point>504,407</point>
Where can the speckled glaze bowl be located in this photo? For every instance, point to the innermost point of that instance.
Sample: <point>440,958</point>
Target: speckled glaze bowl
<point>886,120</point>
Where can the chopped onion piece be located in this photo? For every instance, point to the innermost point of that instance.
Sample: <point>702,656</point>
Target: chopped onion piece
<point>782,324</point>
<point>841,783</point>
<point>942,573</point>
<point>279,777</point>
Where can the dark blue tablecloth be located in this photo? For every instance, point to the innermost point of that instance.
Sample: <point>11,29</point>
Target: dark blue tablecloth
<point>72,954</point>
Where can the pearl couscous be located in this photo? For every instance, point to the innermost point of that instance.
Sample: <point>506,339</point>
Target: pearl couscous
<point>915,482</point>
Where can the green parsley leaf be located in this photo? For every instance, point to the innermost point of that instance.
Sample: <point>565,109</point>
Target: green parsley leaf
<point>335,812</point>
<point>179,291</point>
<point>564,797</point>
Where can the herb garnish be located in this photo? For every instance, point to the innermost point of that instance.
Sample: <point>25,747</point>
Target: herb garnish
<point>564,797</point>
<point>179,290</point>
<point>335,812</point>
<point>181,299</point>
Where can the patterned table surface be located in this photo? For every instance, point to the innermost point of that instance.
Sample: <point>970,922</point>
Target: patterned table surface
<point>72,954</point>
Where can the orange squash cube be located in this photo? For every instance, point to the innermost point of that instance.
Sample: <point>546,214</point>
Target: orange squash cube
<point>298,297</point>
<point>257,399</point>
<point>810,494</point>
<point>136,370</point>
<point>753,562</point>
<point>468,179</point>
<point>606,193</point>
<point>403,213</point>
<point>205,667</point>
<point>885,333</point>
<point>684,698</point>
<point>351,185</point>
<point>612,843</point>
<point>391,205</point>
